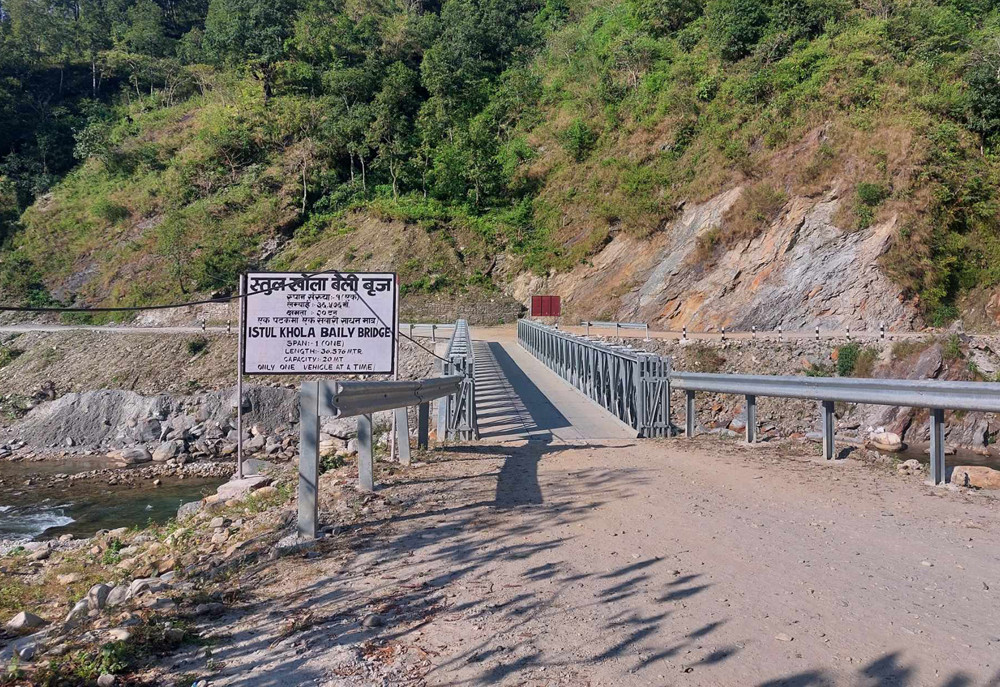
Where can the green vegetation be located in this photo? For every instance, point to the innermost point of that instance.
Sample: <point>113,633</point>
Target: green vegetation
<point>196,345</point>
<point>151,149</point>
<point>855,361</point>
<point>9,354</point>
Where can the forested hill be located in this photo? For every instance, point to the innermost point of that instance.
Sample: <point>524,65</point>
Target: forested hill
<point>156,148</point>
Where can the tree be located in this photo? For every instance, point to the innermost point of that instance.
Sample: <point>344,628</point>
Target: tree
<point>251,33</point>
<point>391,131</point>
<point>143,32</point>
<point>737,25</point>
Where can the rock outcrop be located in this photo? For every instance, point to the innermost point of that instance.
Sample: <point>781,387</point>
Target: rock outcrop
<point>800,271</point>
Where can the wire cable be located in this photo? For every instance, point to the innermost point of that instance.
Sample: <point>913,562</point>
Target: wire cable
<point>213,301</point>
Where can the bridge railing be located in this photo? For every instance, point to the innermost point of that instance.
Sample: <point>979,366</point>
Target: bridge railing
<point>631,384</point>
<point>935,395</point>
<point>457,412</point>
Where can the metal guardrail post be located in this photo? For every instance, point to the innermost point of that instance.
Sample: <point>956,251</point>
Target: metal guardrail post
<point>403,435</point>
<point>433,333</point>
<point>647,331</point>
<point>588,328</point>
<point>827,410</point>
<point>309,459</point>
<point>751,419</point>
<point>423,425</point>
<point>366,458</point>
<point>689,419</point>
<point>937,446</point>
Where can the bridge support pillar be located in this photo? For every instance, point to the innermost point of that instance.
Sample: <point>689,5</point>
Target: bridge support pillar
<point>689,412</point>
<point>827,429</point>
<point>751,419</point>
<point>937,446</point>
<point>366,459</point>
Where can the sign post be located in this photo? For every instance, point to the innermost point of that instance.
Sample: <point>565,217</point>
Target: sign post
<point>239,384</point>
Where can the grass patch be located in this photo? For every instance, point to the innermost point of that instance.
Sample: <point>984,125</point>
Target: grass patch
<point>705,358</point>
<point>758,205</point>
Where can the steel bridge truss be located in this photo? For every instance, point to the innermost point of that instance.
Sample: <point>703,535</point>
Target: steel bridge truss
<point>630,384</point>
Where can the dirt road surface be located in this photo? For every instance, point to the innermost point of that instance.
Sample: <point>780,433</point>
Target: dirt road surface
<point>617,563</point>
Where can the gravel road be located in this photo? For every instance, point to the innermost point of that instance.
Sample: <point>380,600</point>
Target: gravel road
<point>622,563</point>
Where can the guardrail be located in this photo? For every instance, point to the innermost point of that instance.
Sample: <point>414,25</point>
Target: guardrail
<point>937,396</point>
<point>630,384</point>
<point>412,328</point>
<point>618,326</point>
<point>456,419</point>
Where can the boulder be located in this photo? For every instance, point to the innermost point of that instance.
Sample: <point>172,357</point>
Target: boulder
<point>117,596</point>
<point>977,476</point>
<point>135,455</point>
<point>68,579</point>
<point>78,613</point>
<point>238,488</point>
<point>166,451</point>
<point>25,622</point>
<point>886,441</point>
<point>97,597</point>
<point>189,509</point>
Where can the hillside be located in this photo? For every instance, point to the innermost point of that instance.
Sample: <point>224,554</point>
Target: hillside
<point>728,163</point>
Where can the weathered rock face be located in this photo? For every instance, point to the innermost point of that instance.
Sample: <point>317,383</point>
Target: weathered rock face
<point>800,271</point>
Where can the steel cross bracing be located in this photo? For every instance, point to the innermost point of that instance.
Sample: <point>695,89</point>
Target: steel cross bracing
<point>458,412</point>
<point>630,384</point>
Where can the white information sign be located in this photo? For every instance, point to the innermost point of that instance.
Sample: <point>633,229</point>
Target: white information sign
<point>330,323</point>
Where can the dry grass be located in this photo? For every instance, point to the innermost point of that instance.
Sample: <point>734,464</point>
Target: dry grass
<point>758,206</point>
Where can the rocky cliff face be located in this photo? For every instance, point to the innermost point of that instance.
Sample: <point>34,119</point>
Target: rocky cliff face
<point>802,270</point>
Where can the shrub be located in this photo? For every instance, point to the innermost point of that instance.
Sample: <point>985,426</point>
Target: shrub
<point>952,348</point>
<point>705,245</point>
<point>736,25</point>
<point>197,345</point>
<point>854,361</point>
<point>705,358</point>
<point>847,356</point>
<point>578,140</point>
<point>330,462</point>
<point>872,195</point>
<point>9,355</point>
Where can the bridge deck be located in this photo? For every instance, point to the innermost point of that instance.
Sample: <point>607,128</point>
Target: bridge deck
<point>519,398</point>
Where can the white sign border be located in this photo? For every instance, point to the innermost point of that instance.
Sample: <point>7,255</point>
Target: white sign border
<point>394,325</point>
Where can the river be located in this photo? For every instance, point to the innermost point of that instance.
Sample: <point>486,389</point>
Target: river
<point>47,509</point>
